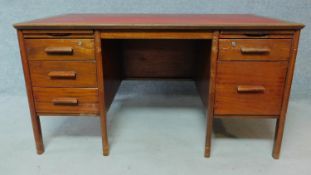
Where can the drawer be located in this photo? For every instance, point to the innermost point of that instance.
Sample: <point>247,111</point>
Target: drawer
<point>59,34</point>
<point>63,73</point>
<point>66,100</point>
<point>254,49</point>
<point>249,34</point>
<point>60,49</point>
<point>249,88</point>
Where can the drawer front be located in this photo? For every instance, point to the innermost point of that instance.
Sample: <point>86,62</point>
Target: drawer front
<point>66,100</point>
<point>254,49</point>
<point>58,34</point>
<point>60,49</point>
<point>255,34</point>
<point>249,88</point>
<point>63,73</point>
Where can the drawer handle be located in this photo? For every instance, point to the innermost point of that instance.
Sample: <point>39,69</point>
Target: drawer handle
<point>59,34</point>
<point>250,89</point>
<point>256,34</point>
<point>59,50</point>
<point>65,101</point>
<point>62,74</point>
<point>245,50</point>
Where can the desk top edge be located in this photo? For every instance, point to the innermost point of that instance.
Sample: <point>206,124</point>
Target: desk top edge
<point>158,21</point>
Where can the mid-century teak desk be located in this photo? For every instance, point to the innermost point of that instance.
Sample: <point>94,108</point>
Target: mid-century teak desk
<point>242,65</point>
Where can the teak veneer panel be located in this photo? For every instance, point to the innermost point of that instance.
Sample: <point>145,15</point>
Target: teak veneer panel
<point>112,53</point>
<point>85,73</point>
<point>232,75</point>
<point>158,34</point>
<point>82,49</point>
<point>254,49</point>
<point>87,100</point>
<point>159,58</point>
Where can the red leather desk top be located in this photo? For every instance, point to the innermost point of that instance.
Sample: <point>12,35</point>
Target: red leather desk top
<point>158,21</point>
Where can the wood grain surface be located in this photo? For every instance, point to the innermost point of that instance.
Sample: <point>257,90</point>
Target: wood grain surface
<point>158,21</point>
<point>60,49</point>
<point>63,73</point>
<point>233,75</point>
<point>48,100</point>
<point>254,49</point>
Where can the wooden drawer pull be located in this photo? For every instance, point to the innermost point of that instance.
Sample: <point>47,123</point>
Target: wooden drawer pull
<point>245,50</point>
<point>59,34</point>
<point>62,74</point>
<point>258,34</point>
<point>65,101</point>
<point>250,89</point>
<point>59,50</point>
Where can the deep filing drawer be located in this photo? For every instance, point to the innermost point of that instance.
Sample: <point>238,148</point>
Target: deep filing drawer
<point>254,49</point>
<point>66,100</point>
<point>63,73</point>
<point>60,49</point>
<point>249,88</point>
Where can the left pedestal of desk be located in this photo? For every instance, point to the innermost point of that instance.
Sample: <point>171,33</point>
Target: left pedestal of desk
<point>61,74</point>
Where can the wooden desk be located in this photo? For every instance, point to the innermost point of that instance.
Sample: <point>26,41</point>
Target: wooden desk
<point>242,65</point>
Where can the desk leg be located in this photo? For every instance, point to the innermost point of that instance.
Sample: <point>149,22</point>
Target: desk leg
<point>35,120</point>
<point>281,120</point>
<point>211,94</point>
<point>36,126</point>
<point>101,94</point>
<point>209,131</point>
<point>279,130</point>
<point>103,123</point>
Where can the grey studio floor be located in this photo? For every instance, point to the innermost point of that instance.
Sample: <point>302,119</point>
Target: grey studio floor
<point>155,127</point>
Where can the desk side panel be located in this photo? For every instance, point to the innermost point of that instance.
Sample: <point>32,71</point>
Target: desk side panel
<point>112,63</point>
<point>203,69</point>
